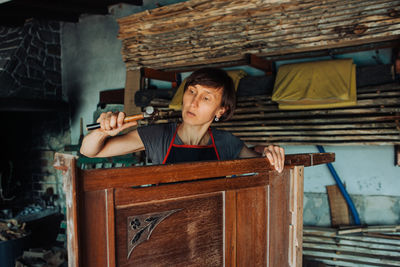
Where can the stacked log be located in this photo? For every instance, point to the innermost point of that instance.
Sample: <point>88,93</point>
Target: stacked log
<point>258,120</point>
<point>198,32</point>
<point>12,229</point>
<point>366,246</point>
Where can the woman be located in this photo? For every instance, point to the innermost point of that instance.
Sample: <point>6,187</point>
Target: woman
<point>208,95</point>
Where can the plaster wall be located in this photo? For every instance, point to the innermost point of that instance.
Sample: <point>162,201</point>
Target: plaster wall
<point>370,177</point>
<point>92,62</point>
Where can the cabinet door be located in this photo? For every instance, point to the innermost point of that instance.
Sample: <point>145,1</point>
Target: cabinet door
<point>186,231</point>
<point>246,226</point>
<point>264,223</point>
<point>286,218</point>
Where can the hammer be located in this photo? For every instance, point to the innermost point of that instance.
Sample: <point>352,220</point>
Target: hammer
<point>149,112</point>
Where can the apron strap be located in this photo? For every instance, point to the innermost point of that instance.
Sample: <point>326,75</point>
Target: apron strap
<point>170,146</point>
<point>173,140</point>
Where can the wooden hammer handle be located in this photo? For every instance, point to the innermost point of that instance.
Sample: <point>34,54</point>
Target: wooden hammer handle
<point>131,118</point>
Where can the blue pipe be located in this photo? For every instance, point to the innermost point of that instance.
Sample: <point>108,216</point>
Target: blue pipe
<point>346,196</point>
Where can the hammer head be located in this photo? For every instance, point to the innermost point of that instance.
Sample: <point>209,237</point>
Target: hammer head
<point>149,111</point>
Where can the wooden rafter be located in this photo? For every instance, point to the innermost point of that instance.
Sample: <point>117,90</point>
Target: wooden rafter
<point>15,12</point>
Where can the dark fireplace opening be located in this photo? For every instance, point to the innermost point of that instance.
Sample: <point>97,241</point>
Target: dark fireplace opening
<point>30,188</point>
<point>28,141</point>
<point>16,143</point>
<point>34,125</point>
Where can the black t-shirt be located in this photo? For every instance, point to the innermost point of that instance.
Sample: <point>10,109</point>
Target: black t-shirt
<point>157,138</point>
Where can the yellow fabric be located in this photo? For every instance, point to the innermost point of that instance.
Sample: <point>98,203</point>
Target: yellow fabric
<point>176,102</point>
<point>312,85</point>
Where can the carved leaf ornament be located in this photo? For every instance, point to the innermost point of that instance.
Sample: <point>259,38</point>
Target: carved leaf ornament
<point>140,227</point>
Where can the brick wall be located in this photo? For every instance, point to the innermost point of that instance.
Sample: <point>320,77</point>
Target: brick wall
<point>50,134</point>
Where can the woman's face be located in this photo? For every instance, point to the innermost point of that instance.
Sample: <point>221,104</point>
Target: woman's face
<point>201,104</point>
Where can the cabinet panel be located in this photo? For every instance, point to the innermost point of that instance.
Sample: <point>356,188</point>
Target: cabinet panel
<point>181,232</point>
<point>252,225</point>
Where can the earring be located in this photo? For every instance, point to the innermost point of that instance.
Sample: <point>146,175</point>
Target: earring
<point>216,119</point>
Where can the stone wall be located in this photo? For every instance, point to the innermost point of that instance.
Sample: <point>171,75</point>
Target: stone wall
<point>30,60</point>
<point>50,134</point>
<point>30,69</point>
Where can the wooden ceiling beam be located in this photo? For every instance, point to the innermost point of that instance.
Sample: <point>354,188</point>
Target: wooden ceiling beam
<point>43,7</point>
<point>260,63</point>
<point>14,13</point>
<point>131,2</point>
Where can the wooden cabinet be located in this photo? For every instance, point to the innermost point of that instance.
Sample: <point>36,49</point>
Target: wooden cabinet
<point>221,213</point>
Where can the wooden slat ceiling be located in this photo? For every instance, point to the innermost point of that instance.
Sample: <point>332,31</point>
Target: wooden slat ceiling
<point>15,12</point>
<point>199,32</point>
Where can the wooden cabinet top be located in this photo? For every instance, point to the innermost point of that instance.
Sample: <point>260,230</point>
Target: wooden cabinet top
<point>97,179</point>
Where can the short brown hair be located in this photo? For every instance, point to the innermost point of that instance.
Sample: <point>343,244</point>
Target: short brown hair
<point>215,78</point>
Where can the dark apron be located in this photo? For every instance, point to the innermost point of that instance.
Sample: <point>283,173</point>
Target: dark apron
<point>188,153</point>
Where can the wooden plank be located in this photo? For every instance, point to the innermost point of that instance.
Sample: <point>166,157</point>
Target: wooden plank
<point>124,196</point>
<point>251,239</point>
<point>230,228</point>
<point>333,233</point>
<point>383,236</point>
<point>368,119</point>
<point>317,128</point>
<point>299,114</point>
<point>297,192</point>
<point>338,206</point>
<point>353,258</point>
<point>353,250</point>
<point>305,133</point>
<point>202,55</point>
<point>67,164</point>
<point>94,228</point>
<point>338,262</point>
<point>367,229</point>
<point>136,176</point>
<point>132,85</point>
<point>303,14</point>
<point>229,45</point>
<point>279,227</point>
<point>348,245</point>
<point>384,105</point>
<point>205,56</point>
<point>257,28</point>
<point>326,143</point>
<point>185,36</point>
<point>271,139</point>
<point>261,64</point>
<point>160,75</point>
<point>110,228</point>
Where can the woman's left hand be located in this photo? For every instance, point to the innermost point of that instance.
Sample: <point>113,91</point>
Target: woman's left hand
<point>276,156</point>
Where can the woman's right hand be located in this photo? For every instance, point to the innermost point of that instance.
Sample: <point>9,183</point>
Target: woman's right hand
<point>112,123</point>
